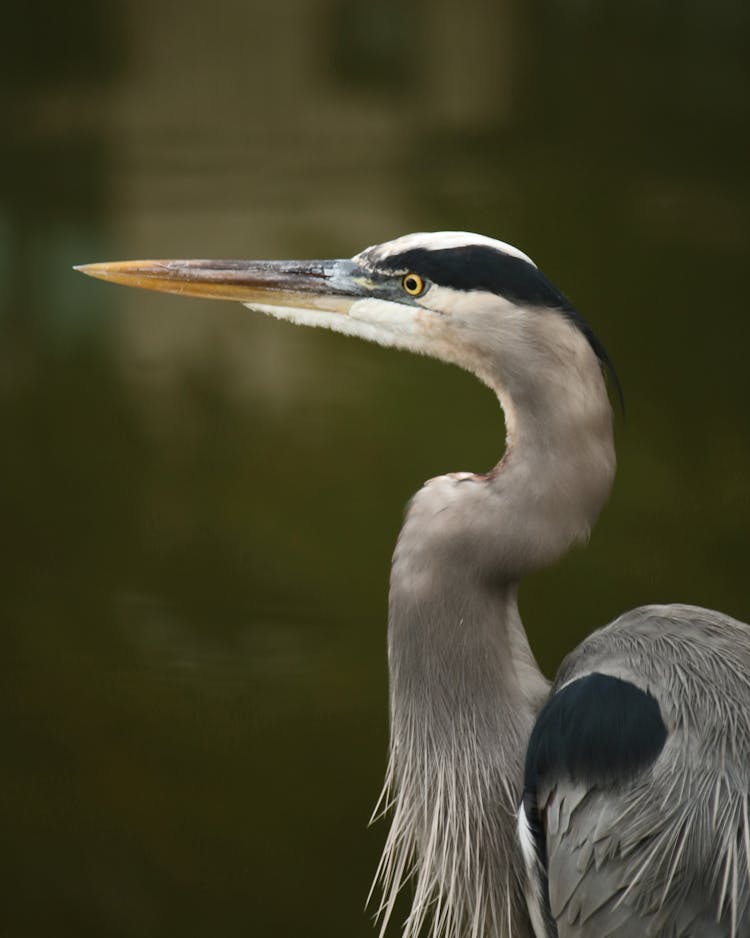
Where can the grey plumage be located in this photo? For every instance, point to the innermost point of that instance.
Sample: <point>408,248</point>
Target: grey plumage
<point>667,854</point>
<point>635,816</point>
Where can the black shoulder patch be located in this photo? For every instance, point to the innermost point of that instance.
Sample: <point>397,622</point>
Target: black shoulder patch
<point>598,730</point>
<point>481,267</point>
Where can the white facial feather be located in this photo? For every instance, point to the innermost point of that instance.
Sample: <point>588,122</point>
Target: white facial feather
<point>438,241</point>
<point>391,324</point>
<point>396,319</point>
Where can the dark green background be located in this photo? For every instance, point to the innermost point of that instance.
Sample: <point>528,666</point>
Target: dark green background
<point>198,505</point>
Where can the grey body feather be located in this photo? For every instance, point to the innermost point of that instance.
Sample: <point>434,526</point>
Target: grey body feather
<point>668,853</point>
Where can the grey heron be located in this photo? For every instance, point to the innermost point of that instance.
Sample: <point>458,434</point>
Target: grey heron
<point>613,802</point>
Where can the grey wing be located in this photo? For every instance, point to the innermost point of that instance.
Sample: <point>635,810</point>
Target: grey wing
<point>603,887</point>
<point>637,782</point>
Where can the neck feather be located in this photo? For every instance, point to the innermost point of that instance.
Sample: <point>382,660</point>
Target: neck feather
<point>460,719</point>
<point>465,687</point>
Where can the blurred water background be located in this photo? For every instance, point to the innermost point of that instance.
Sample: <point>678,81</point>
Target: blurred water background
<point>198,505</point>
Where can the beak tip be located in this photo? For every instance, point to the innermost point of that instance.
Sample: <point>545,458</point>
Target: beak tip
<point>100,271</point>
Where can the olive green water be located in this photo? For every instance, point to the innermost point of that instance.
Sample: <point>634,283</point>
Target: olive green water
<point>198,505</point>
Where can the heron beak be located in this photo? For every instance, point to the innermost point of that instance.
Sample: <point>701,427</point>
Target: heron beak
<point>328,286</point>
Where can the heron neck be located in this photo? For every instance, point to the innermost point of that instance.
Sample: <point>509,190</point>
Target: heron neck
<point>465,687</point>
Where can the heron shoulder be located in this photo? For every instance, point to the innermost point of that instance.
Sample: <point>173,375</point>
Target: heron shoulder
<point>666,842</point>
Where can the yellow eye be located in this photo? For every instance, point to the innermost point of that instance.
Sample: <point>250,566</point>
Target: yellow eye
<point>413,284</point>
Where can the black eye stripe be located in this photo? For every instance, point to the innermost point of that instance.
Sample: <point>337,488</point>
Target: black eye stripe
<point>478,267</point>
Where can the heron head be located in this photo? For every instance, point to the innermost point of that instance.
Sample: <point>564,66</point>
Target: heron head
<point>464,298</point>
